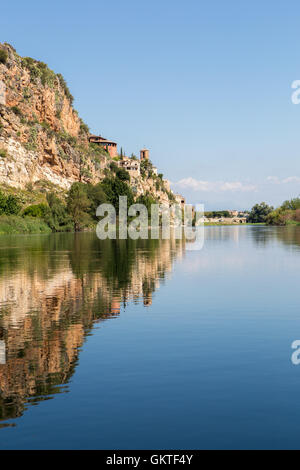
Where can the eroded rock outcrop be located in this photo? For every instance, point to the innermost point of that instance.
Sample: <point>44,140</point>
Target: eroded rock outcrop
<point>41,135</point>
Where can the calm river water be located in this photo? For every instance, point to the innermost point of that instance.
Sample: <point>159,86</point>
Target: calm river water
<point>145,344</point>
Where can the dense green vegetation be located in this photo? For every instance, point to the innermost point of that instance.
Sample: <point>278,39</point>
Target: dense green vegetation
<point>74,211</point>
<point>12,224</point>
<point>259,213</point>
<point>9,205</point>
<point>287,214</point>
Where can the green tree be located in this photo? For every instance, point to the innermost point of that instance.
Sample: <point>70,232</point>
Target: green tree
<point>57,217</point>
<point>78,205</point>
<point>114,167</point>
<point>96,196</point>
<point>113,188</point>
<point>12,205</point>
<point>122,174</point>
<point>259,213</point>
<point>293,204</point>
<point>9,205</point>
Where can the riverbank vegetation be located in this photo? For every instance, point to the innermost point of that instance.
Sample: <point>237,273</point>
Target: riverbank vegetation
<point>287,214</point>
<point>13,224</point>
<point>74,210</point>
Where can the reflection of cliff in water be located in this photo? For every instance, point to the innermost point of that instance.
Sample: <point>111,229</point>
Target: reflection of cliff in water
<point>52,290</point>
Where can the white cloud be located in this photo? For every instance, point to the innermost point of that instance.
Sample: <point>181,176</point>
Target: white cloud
<point>288,180</point>
<point>213,186</point>
<point>291,179</point>
<point>273,179</point>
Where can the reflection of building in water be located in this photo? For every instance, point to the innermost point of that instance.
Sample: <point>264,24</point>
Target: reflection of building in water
<point>148,299</point>
<point>45,313</point>
<point>115,306</point>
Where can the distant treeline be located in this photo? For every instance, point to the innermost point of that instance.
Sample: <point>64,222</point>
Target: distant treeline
<point>287,214</point>
<point>217,214</point>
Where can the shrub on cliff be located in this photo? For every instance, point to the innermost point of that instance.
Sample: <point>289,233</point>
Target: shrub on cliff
<point>40,70</point>
<point>84,128</point>
<point>113,167</point>
<point>36,210</point>
<point>65,87</point>
<point>122,174</point>
<point>17,111</point>
<point>3,56</point>
<point>9,205</point>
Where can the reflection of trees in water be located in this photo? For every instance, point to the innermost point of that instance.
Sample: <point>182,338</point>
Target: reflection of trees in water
<point>260,234</point>
<point>53,289</point>
<point>289,235</point>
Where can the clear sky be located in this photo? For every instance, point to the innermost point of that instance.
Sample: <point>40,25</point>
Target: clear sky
<point>205,85</point>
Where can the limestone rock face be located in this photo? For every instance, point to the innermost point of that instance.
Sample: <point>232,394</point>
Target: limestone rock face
<point>40,132</point>
<point>35,100</point>
<point>22,167</point>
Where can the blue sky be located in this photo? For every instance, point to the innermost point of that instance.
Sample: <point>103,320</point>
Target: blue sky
<point>205,85</point>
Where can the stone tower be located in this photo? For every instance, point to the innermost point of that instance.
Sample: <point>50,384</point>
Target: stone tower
<point>144,154</point>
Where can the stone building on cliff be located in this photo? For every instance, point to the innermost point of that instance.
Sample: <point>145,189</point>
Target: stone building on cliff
<point>131,165</point>
<point>108,145</point>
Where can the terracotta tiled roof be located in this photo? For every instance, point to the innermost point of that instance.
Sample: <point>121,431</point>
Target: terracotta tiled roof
<point>101,139</point>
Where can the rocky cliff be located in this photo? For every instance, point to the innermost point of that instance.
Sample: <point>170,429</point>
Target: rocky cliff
<point>42,139</point>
